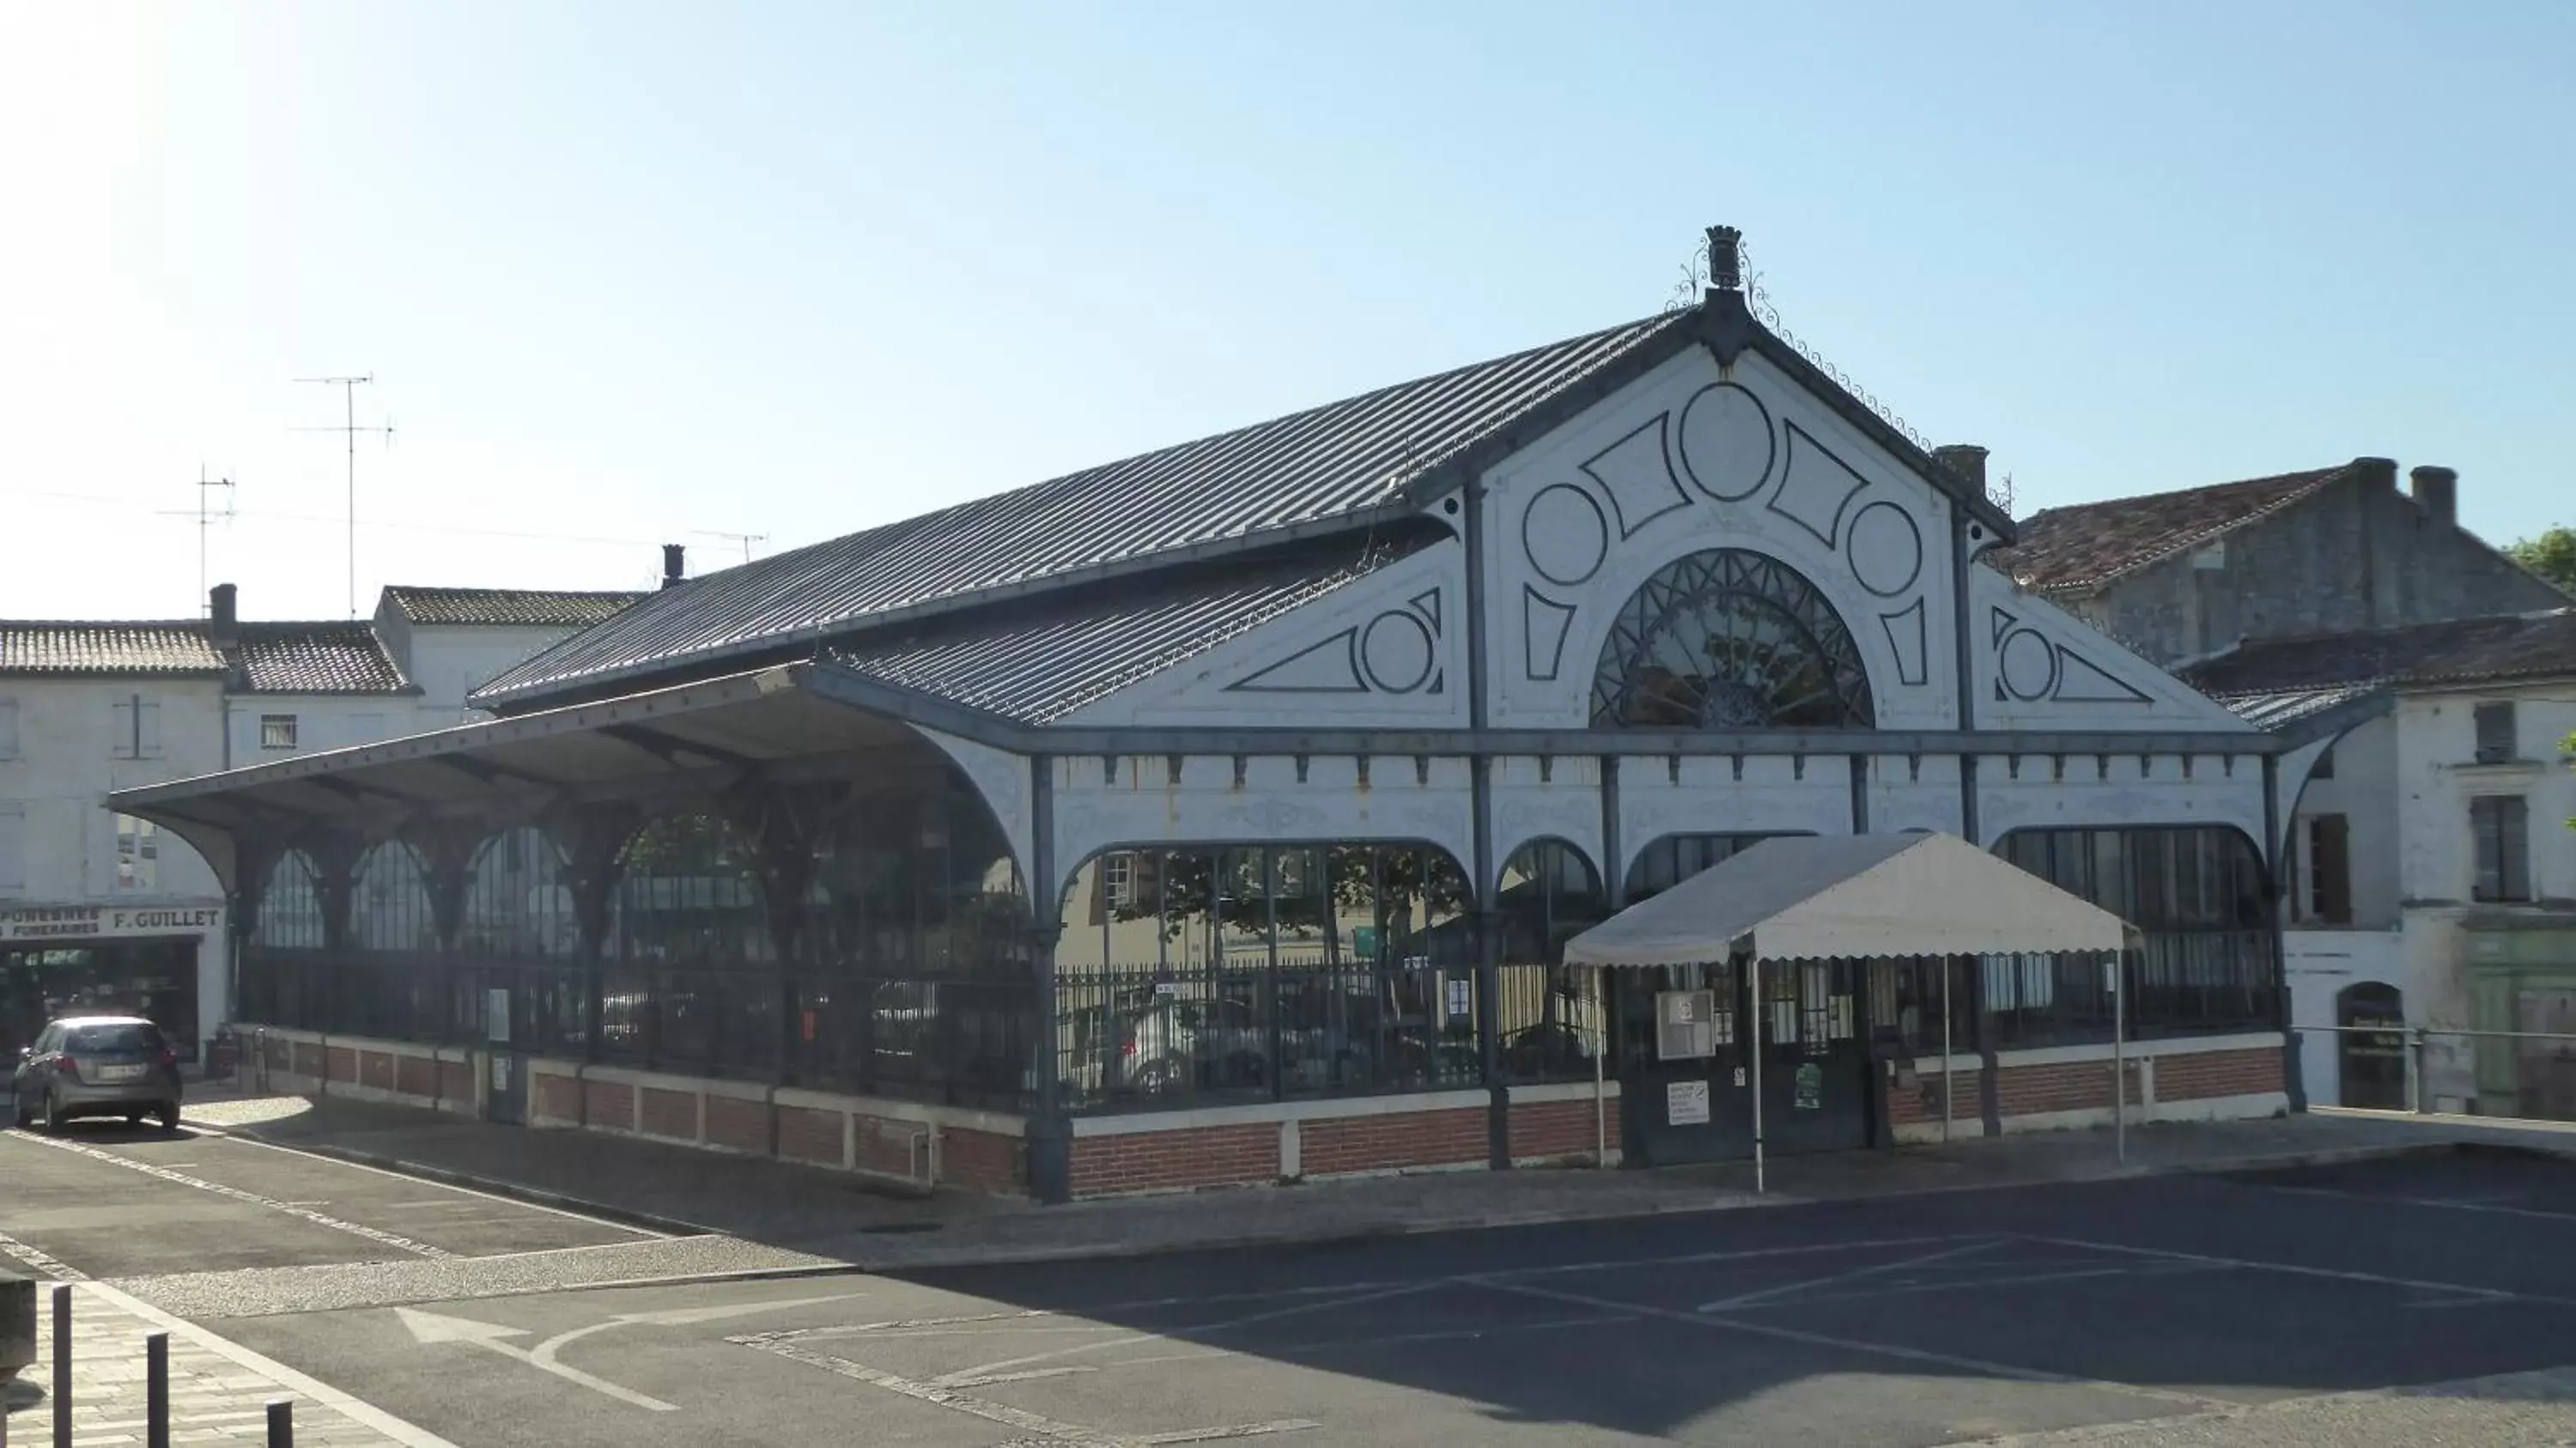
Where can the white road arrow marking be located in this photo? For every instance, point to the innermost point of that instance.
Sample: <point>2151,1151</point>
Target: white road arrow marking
<point>431,1328</point>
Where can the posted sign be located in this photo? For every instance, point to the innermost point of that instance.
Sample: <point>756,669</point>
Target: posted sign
<point>1686,1103</point>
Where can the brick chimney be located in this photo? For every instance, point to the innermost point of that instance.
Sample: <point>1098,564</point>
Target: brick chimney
<point>674,572</point>
<point>2437,492</point>
<point>223,616</point>
<point>1966,459</point>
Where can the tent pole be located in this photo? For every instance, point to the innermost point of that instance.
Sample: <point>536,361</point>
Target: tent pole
<point>1755,1037</point>
<point>2119,1056</point>
<point>1600,1047</point>
<point>1947,962</point>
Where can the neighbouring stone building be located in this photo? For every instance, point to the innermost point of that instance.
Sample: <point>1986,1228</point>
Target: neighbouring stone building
<point>1219,815</point>
<point>2186,574</point>
<point>100,910</point>
<point>2431,863</point>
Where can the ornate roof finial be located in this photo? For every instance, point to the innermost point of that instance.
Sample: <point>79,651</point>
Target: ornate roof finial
<point>1725,258</point>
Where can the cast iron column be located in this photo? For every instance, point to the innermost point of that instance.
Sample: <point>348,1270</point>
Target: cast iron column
<point>1050,1138</point>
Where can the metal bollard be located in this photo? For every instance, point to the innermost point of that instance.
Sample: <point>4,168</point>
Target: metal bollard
<point>62,1365</point>
<point>281,1423</point>
<point>156,1390</point>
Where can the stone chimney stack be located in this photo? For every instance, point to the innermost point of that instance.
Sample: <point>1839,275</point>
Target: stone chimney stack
<point>1966,459</point>
<point>2437,492</point>
<point>223,615</point>
<point>673,571</point>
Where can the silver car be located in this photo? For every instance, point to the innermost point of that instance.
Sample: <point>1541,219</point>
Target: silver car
<point>97,1066</point>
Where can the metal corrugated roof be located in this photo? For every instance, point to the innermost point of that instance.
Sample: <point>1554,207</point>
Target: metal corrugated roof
<point>2291,706</point>
<point>1047,664</point>
<point>1331,465</point>
<point>108,648</point>
<point>507,607</point>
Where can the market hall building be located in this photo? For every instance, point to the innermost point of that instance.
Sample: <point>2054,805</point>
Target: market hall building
<point>1220,815</point>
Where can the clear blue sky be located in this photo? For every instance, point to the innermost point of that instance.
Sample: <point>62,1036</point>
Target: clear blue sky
<point>629,271</point>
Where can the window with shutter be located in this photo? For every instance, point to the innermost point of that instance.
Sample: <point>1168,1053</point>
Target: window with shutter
<point>121,739</point>
<point>13,849</point>
<point>2496,744</point>
<point>2501,827</point>
<point>2329,893</point>
<point>147,729</point>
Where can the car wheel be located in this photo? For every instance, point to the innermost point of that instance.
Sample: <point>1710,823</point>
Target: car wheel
<point>168,1116</point>
<point>53,1114</point>
<point>19,1116</point>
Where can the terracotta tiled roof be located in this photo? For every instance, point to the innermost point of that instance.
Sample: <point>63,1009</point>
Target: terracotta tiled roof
<point>107,648</point>
<point>2463,651</point>
<point>507,607</point>
<point>2093,543</point>
<point>317,658</point>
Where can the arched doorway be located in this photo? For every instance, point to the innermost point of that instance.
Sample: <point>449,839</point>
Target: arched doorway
<point>2370,1064</point>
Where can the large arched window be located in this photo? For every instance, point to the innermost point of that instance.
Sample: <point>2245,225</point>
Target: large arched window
<point>389,901</point>
<point>1729,640</point>
<point>290,908</point>
<point>1549,894</point>
<point>518,899</point>
<point>686,926</point>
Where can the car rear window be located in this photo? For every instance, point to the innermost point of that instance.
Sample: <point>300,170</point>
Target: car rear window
<point>114,1038</point>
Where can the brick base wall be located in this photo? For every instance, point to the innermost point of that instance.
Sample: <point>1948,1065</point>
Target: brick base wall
<point>610,1104</point>
<point>738,1125</point>
<point>809,1136</point>
<point>1392,1142</point>
<point>340,1063</point>
<point>1146,1161</point>
<point>984,1161</point>
<point>1560,1130</point>
<point>2071,1086</point>
<point>1922,1104</point>
<point>376,1069</point>
<point>558,1097</point>
<point>670,1113</point>
<point>415,1076</point>
<point>456,1081</point>
<point>2221,1073</point>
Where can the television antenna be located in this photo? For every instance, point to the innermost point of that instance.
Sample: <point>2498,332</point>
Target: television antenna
<point>745,539</point>
<point>349,425</point>
<point>206,518</point>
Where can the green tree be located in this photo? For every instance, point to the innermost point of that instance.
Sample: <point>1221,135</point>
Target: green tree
<point>2552,555</point>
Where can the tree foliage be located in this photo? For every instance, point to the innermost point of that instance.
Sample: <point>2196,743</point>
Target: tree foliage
<point>2552,555</point>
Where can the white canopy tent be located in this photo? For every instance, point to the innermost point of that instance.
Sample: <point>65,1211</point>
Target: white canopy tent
<point>1854,897</point>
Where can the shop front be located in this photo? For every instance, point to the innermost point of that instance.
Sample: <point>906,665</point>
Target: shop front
<point>61,959</point>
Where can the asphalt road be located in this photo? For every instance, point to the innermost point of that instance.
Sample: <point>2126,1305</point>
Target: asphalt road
<point>110,1201</point>
<point>2188,1300</point>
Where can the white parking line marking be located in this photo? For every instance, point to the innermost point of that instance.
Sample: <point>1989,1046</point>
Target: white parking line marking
<point>1721,1323</point>
<point>1397,1339</point>
<point>319,1219</point>
<point>641,1233</point>
<point>1765,1294</point>
<point>2331,1274</point>
<point>2494,1206</point>
<point>951,1398</point>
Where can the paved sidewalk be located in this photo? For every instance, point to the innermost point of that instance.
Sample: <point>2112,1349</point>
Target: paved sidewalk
<point>219,1392</point>
<point>841,1220</point>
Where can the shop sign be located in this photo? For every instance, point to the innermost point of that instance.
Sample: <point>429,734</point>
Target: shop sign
<point>1809,1094</point>
<point>76,922</point>
<point>1686,1103</point>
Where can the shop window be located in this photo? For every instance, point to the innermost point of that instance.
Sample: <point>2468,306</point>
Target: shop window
<point>138,854</point>
<point>2500,827</point>
<point>2495,727</point>
<point>277,731</point>
<point>2327,898</point>
<point>135,728</point>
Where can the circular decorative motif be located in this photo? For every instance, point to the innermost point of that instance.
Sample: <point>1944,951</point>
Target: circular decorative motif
<point>1886,549</point>
<point>2028,664</point>
<point>1729,639</point>
<point>1727,445</point>
<point>1565,534</point>
<point>1396,651</point>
